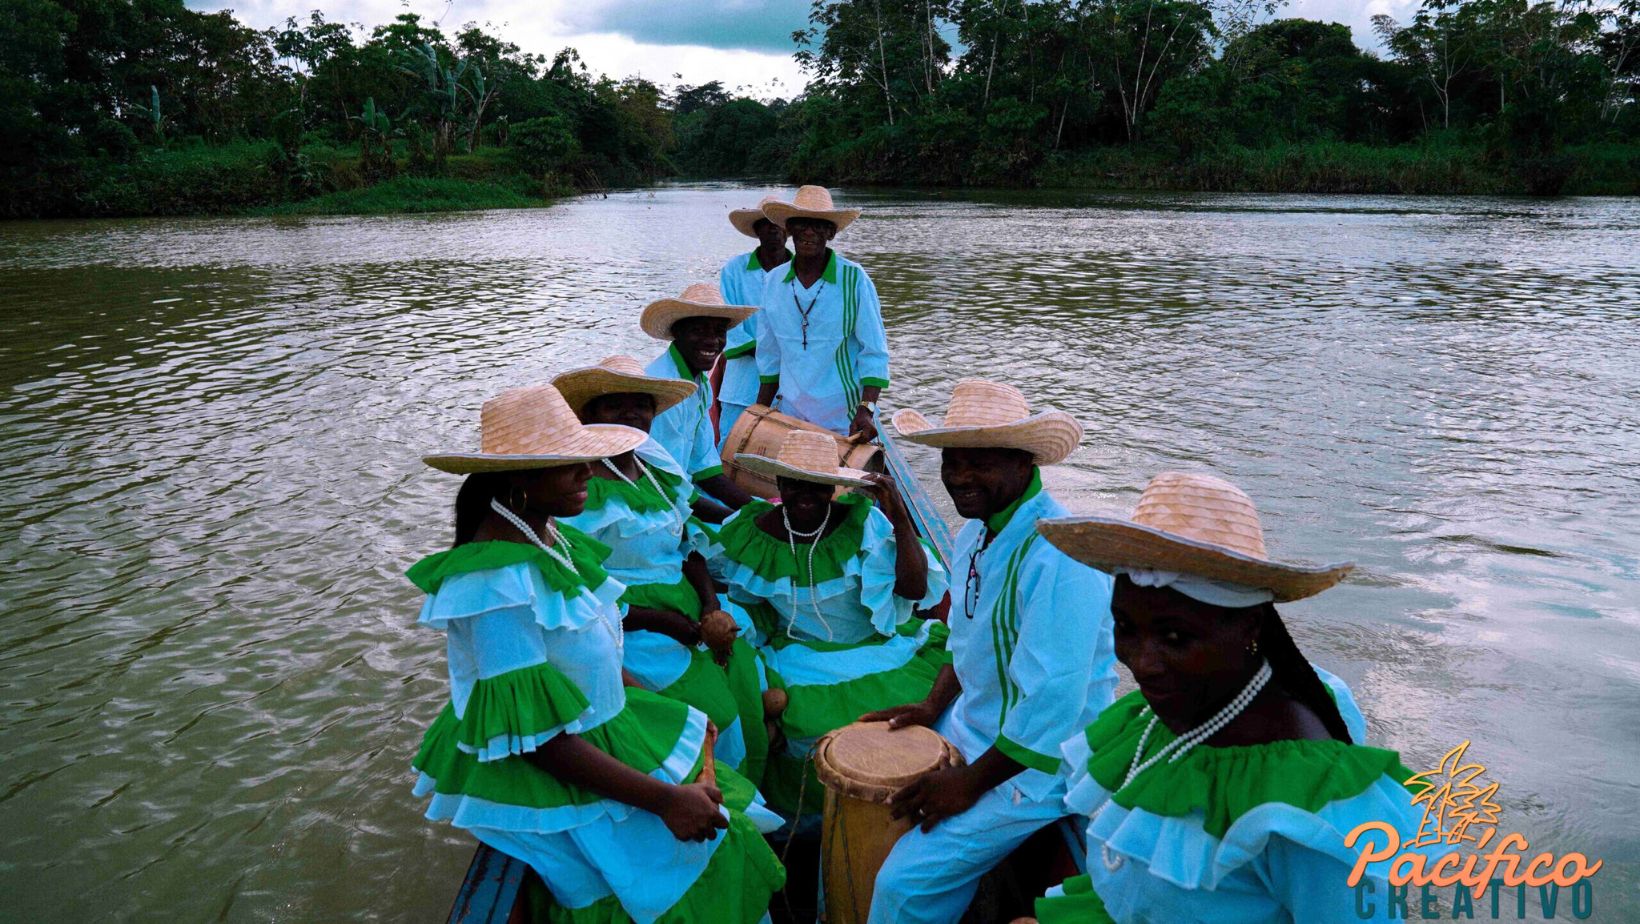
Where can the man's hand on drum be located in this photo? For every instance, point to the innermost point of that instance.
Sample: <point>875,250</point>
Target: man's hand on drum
<point>923,713</point>
<point>936,796</point>
<point>691,812</point>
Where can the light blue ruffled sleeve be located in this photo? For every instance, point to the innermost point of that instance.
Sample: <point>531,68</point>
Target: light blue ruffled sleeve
<point>879,551</point>
<point>1354,722</point>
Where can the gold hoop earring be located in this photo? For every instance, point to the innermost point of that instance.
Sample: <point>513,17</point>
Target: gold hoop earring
<point>518,499</point>
<point>1252,647</point>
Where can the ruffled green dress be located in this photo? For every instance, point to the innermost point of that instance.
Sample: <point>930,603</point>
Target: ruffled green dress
<point>1227,834</point>
<point>534,652</point>
<point>650,532</point>
<point>832,630</point>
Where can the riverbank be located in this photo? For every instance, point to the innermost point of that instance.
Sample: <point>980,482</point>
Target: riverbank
<point>257,178</point>
<point>1329,167</point>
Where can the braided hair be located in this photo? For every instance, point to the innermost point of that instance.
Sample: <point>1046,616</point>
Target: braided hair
<point>1293,671</point>
<point>473,502</point>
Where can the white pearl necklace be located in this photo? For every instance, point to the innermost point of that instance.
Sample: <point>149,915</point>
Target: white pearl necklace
<point>1176,749</point>
<point>813,537</point>
<point>677,521</point>
<point>558,539</point>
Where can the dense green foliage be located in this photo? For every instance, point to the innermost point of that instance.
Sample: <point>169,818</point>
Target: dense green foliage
<point>119,107</point>
<point>1202,89</point>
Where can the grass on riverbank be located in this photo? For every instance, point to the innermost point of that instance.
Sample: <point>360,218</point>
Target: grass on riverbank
<point>1332,167</point>
<point>411,194</point>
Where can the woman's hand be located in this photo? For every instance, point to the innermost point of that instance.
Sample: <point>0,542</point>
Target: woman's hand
<point>691,812</point>
<point>680,627</point>
<point>936,796</point>
<point>923,713</point>
<point>888,499</point>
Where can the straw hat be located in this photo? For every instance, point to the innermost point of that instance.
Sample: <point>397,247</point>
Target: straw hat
<point>533,427</point>
<point>743,219</point>
<point>701,300</point>
<point>810,202</point>
<point>619,375</point>
<point>1190,524</point>
<point>807,455</point>
<point>991,415</point>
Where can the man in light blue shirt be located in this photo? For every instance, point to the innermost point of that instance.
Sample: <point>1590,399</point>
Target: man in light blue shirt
<point>741,281</point>
<point>821,344</point>
<point>697,323</point>
<point>1033,656</point>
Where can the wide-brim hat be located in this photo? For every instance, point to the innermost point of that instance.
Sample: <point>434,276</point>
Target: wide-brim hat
<point>806,455</point>
<point>1190,524</point>
<point>744,219</point>
<point>810,202</point>
<point>700,300</point>
<point>533,427</point>
<point>991,415</point>
<point>620,375</point>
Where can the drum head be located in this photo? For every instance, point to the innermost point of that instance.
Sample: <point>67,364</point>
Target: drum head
<point>868,760</point>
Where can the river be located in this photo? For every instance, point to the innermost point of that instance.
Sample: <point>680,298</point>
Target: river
<point>210,429</point>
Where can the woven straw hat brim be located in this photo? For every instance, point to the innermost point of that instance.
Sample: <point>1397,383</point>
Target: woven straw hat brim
<point>1049,436</point>
<point>774,468</point>
<point>588,443</point>
<point>744,219</point>
<point>1109,544</point>
<point>658,318</point>
<point>782,212</point>
<point>578,386</point>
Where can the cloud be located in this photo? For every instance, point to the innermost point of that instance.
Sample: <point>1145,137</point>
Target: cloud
<point>1357,15</point>
<point>761,25</point>
<point>611,36</point>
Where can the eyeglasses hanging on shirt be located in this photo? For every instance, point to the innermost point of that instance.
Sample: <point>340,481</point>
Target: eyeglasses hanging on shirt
<point>971,587</point>
<point>804,312</point>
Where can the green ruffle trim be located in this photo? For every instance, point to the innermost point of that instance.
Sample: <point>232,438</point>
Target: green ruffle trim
<point>639,496</point>
<point>1224,783</point>
<point>735,888</point>
<point>772,559</point>
<point>587,553</point>
<point>727,693</point>
<point>677,598</point>
<point>1079,905</point>
<point>519,704</point>
<point>642,736</point>
<point>789,784</point>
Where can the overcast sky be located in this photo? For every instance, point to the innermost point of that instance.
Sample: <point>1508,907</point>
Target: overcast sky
<point>743,43</point>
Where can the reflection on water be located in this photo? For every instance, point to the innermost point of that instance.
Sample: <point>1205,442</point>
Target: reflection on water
<point>210,431</point>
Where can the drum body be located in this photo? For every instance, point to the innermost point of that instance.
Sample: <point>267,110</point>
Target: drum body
<point>861,765</point>
<point>759,432</point>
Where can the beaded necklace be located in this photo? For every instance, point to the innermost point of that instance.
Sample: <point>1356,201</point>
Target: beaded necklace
<point>813,538</point>
<point>1176,749</point>
<point>676,520</point>
<point>553,552</point>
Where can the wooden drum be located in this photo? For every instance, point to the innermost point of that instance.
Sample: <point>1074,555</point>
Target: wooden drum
<point>759,432</point>
<point>861,765</point>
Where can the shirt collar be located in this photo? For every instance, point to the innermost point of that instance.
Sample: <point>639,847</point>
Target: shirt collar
<point>829,274</point>
<point>752,262</point>
<point>998,521</point>
<point>684,372</point>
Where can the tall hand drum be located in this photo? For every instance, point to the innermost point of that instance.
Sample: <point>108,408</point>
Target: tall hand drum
<point>861,765</point>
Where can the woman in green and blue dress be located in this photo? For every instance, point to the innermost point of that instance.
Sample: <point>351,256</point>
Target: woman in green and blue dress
<point>831,586</point>
<point>1223,789</point>
<point>638,504</point>
<point>541,752</point>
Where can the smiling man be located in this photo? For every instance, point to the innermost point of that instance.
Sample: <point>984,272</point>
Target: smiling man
<point>697,322</point>
<point>1033,660</point>
<point>821,345</point>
